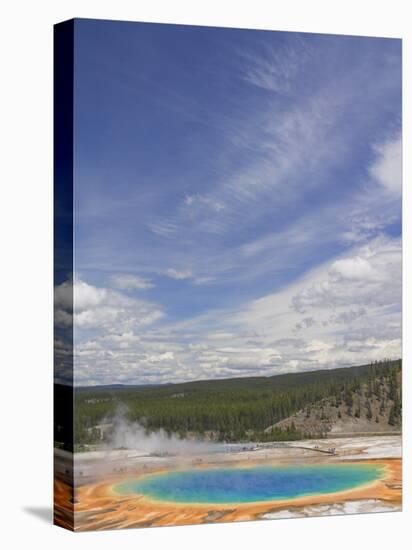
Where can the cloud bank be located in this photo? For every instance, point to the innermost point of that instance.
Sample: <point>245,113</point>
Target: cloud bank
<point>244,221</point>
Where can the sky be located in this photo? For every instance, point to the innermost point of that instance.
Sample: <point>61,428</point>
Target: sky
<point>237,200</point>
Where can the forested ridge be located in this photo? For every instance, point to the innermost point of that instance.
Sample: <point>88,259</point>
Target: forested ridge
<point>238,409</point>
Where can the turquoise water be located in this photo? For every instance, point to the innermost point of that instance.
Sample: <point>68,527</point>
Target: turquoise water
<point>256,484</point>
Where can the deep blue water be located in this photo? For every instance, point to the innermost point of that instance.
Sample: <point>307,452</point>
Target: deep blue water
<point>256,484</point>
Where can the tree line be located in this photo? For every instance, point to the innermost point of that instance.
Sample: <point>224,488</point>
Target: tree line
<point>232,410</point>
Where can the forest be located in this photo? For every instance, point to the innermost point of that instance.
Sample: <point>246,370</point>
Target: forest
<point>238,409</point>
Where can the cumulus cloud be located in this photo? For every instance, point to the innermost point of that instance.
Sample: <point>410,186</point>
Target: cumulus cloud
<point>306,322</point>
<point>101,308</point>
<point>342,313</point>
<point>346,317</point>
<point>355,269</point>
<point>372,277</point>
<point>354,298</point>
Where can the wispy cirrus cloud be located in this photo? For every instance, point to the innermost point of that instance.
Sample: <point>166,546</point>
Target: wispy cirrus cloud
<point>249,221</point>
<point>178,274</point>
<point>130,282</point>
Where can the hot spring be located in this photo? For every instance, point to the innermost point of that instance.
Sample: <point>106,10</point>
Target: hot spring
<point>254,484</point>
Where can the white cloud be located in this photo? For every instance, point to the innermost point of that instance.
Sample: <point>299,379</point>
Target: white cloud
<point>346,317</point>
<point>369,277</point>
<point>202,201</point>
<point>63,295</point>
<point>102,309</point>
<point>285,142</point>
<point>387,168</point>
<point>161,357</point>
<point>130,282</point>
<point>87,297</point>
<point>275,69</point>
<point>247,219</point>
<point>356,269</point>
<point>338,309</point>
<point>178,274</point>
<point>163,228</point>
<point>346,320</point>
<point>62,318</point>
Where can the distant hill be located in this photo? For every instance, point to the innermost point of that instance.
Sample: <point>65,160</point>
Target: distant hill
<point>110,387</point>
<point>278,381</point>
<point>283,407</point>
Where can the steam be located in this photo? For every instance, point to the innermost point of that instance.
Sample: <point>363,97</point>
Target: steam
<point>133,436</point>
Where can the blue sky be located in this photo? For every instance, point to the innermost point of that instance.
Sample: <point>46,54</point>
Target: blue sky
<point>237,201</point>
